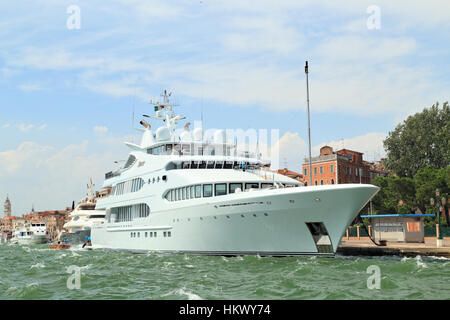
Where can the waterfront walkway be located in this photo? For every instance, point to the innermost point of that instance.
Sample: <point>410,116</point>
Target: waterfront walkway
<point>364,246</point>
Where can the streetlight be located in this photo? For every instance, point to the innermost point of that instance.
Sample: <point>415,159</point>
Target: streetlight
<point>437,207</point>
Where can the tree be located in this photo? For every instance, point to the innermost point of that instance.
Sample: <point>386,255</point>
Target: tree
<point>396,195</point>
<point>421,140</point>
<point>427,180</point>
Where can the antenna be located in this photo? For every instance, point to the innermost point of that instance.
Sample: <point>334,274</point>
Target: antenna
<point>309,123</point>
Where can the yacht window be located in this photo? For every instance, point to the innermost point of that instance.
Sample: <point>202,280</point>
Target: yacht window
<point>252,185</point>
<point>228,165</point>
<point>219,164</point>
<point>192,191</point>
<point>178,165</point>
<point>266,185</point>
<point>220,189</point>
<point>169,234</point>
<point>207,190</point>
<point>168,149</point>
<point>210,165</point>
<point>131,160</point>
<point>179,193</point>
<point>186,149</point>
<point>198,191</point>
<point>202,165</point>
<point>146,234</point>
<point>186,164</point>
<point>183,193</point>
<point>236,165</point>
<point>234,186</point>
<point>98,216</point>
<point>194,164</point>
<point>188,193</point>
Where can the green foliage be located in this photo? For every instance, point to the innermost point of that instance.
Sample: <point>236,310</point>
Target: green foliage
<point>421,140</point>
<point>405,195</point>
<point>427,180</point>
<point>396,195</point>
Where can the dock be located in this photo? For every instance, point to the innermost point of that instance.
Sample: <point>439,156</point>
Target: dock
<point>365,247</point>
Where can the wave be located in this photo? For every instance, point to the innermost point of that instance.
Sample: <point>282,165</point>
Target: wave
<point>183,292</point>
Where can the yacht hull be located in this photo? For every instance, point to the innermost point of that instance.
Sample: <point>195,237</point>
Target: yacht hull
<point>32,240</point>
<point>78,237</point>
<point>265,222</point>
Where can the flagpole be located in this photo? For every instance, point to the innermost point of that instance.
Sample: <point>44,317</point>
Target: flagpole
<point>309,124</point>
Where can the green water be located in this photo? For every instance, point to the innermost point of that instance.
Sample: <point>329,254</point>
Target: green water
<point>36,272</point>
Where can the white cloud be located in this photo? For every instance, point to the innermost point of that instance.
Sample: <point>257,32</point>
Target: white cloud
<point>52,178</point>
<point>371,144</point>
<point>25,127</point>
<point>100,130</point>
<point>261,34</point>
<point>43,126</point>
<point>6,126</point>
<point>27,87</point>
<point>288,152</point>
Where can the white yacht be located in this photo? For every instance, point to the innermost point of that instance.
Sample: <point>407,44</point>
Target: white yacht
<point>82,218</point>
<point>32,233</point>
<point>179,193</point>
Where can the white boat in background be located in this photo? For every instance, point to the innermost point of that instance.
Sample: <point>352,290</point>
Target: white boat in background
<point>180,193</point>
<point>78,229</point>
<point>32,233</point>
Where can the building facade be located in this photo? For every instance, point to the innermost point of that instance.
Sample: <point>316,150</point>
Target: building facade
<point>291,174</point>
<point>339,167</point>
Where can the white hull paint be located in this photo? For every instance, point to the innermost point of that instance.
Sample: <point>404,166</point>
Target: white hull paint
<point>218,227</point>
<point>32,240</point>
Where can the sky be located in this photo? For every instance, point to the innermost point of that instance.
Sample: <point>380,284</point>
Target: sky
<point>76,76</point>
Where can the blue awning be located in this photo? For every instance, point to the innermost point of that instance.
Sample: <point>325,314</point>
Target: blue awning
<point>397,215</point>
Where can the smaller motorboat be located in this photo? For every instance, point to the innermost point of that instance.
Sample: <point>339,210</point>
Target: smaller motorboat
<point>60,245</point>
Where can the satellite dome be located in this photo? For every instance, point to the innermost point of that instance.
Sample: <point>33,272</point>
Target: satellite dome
<point>219,137</point>
<point>162,134</point>
<point>186,136</point>
<point>198,134</point>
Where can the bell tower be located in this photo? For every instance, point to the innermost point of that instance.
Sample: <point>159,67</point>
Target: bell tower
<point>7,207</point>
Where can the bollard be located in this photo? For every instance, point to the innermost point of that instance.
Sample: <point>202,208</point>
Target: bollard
<point>348,236</point>
<point>357,232</point>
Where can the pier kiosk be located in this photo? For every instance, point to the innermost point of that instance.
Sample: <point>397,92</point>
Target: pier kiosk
<point>398,227</point>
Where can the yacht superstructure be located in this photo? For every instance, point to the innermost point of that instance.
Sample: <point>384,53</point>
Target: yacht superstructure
<point>180,193</point>
<point>82,218</point>
<point>31,233</point>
